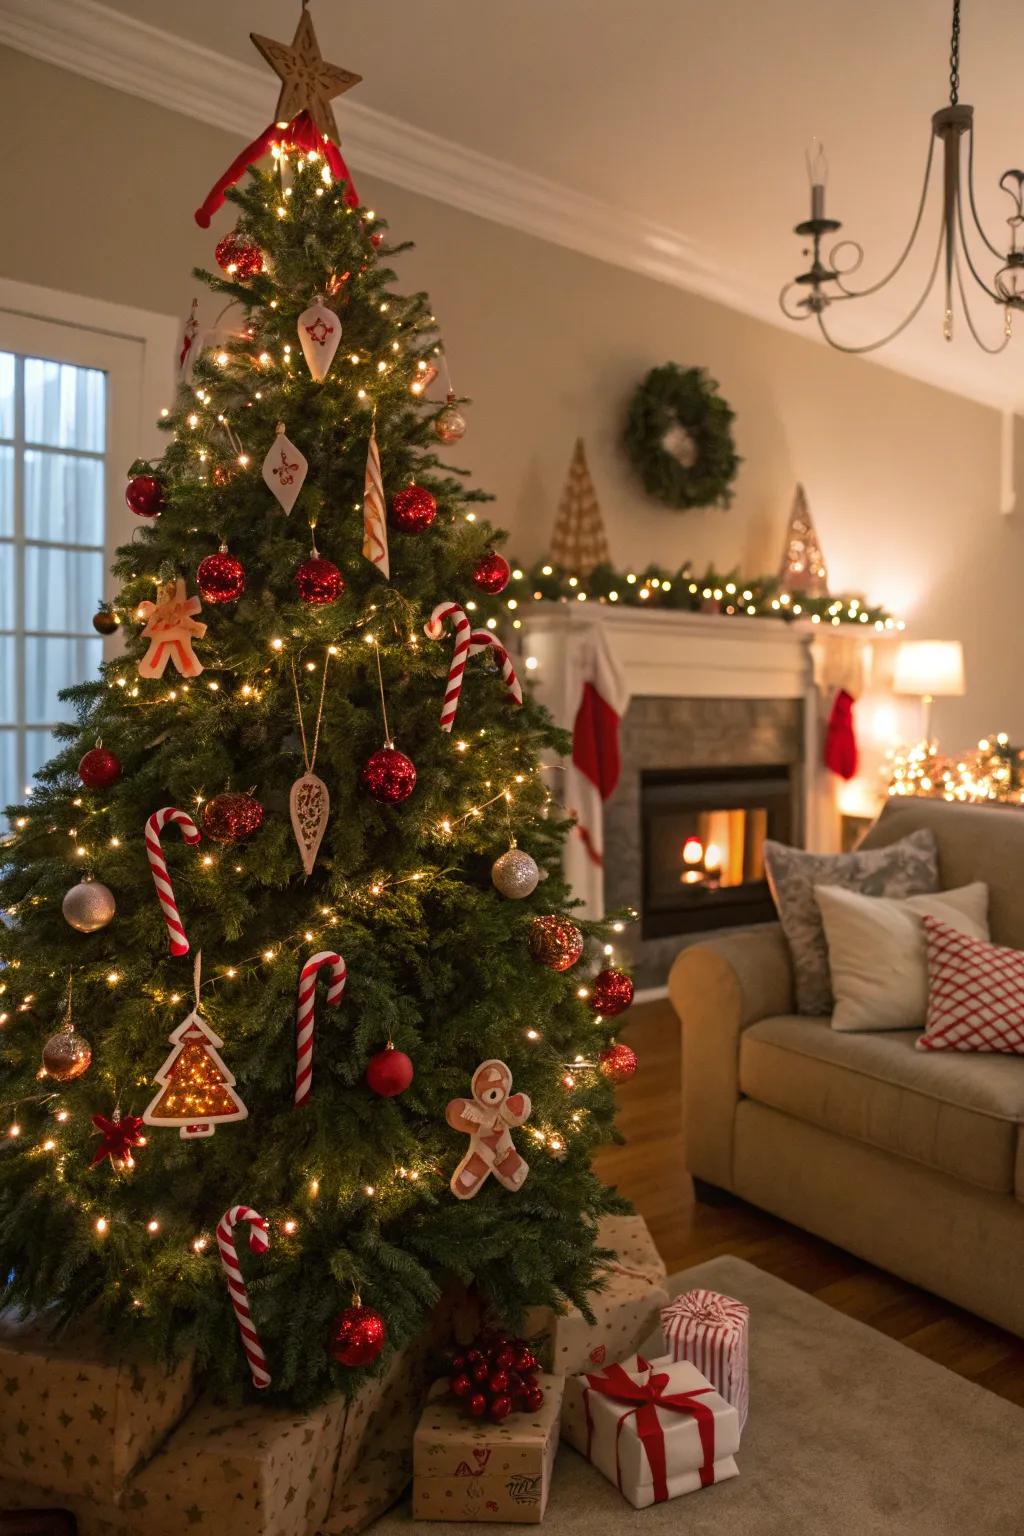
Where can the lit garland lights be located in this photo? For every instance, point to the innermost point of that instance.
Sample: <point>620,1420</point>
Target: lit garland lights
<point>992,773</point>
<point>684,591</point>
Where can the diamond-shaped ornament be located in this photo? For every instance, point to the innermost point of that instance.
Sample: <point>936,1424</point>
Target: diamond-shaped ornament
<point>284,469</point>
<point>319,337</point>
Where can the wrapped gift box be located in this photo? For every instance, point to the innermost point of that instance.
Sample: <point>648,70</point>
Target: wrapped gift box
<point>656,1429</point>
<point>712,1332</point>
<point>631,1297</point>
<point>75,1419</point>
<point>468,1469</point>
<point>265,1471</point>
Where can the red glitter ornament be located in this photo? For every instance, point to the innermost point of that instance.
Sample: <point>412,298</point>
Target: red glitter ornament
<point>617,1062</point>
<point>319,581</point>
<point>220,577</point>
<point>492,572</point>
<point>238,256</point>
<point>231,818</point>
<point>555,942</point>
<point>144,493</point>
<point>611,992</point>
<point>357,1337</point>
<point>413,509</point>
<point>389,776</point>
<point>99,768</point>
<point>389,1072</point>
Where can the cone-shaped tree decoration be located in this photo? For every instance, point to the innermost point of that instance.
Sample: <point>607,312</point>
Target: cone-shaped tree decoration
<point>579,542</point>
<point>803,566</point>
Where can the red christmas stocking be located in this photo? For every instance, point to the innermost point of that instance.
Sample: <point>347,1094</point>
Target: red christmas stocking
<point>840,737</point>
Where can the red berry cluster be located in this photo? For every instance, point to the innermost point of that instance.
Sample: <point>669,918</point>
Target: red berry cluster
<point>496,1377</point>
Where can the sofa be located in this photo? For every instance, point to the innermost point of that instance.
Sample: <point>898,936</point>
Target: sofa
<point>914,1160</point>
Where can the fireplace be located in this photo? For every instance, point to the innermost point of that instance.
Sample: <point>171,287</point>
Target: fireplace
<point>702,835</point>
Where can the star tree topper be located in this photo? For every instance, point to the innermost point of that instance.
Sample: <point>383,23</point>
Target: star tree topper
<point>308,82</point>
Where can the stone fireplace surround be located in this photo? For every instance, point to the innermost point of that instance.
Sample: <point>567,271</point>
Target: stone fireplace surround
<point>660,734</point>
<point>706,691</point>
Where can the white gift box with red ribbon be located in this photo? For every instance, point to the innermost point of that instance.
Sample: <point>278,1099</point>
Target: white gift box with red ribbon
<point>657,1429</point>
<point>712,1332</point>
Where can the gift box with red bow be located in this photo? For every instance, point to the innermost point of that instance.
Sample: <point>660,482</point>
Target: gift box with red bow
<point>657,1429</point>
<point>712,1332</point>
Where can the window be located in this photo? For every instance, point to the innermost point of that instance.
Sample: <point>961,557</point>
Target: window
<point>53,439</point>
<point>82,383</point>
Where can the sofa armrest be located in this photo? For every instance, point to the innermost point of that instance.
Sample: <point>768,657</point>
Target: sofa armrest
<point>718,989</point>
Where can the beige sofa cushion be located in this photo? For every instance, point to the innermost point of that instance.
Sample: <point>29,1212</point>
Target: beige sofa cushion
<point>960,1116</point>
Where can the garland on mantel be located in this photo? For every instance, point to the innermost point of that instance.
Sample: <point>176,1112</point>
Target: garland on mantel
<point>683,591</point>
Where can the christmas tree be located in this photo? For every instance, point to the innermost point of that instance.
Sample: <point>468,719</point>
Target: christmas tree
<point>315,771</point>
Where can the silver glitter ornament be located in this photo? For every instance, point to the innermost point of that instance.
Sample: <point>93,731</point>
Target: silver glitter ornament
<point>88,906</point>
<point>515,874</point>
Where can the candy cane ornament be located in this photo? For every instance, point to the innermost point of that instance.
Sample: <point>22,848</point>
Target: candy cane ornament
<point>158,864</point>
<point>304,1016</point>
<point>479,640</point>
<point>259,1242</point>
<point>434,629</point>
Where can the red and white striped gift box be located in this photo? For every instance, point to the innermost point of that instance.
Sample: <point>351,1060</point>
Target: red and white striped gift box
<point>712,1332</point>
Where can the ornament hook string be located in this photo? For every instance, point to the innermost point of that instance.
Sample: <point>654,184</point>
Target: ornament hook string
<point>383,706</point>
<point>310,759</point>
<point>197,971</point>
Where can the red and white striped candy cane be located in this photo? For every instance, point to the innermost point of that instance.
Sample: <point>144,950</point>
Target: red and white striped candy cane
<point>479,640</point>
<point>304,1014</point>
<point>259,1242</point>
<point>158,865</point>
<point>434,629</point>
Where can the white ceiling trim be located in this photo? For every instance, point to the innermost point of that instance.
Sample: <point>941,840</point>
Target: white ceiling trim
<point>90,39</point>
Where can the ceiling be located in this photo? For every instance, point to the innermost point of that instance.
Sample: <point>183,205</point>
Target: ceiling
<point>688,119</point>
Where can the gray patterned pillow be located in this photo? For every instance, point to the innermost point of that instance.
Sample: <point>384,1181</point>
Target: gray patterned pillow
<point>907,868</point>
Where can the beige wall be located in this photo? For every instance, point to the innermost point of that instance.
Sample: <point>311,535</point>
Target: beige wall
<point>902,478</point>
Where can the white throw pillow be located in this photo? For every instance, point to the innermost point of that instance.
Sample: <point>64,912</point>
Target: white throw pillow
<point>878,955</point>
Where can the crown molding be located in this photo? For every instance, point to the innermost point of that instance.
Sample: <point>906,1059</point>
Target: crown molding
<point>114,49</point>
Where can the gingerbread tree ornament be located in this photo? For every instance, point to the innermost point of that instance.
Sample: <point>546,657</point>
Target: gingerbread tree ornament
<point>197,1092</point>
<point>803,566</point>
<point>579,542</point>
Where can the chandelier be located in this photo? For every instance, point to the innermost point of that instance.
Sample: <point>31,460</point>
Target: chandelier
<point>826,281</point>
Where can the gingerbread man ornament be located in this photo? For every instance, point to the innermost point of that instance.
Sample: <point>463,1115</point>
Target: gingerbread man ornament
<point>170,629</point>
<point>486,1118</point>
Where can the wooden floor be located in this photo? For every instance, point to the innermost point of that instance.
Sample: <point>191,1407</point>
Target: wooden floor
<point>650,1170</point>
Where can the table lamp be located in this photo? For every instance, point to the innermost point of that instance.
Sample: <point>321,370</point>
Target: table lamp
<point>928,670</point>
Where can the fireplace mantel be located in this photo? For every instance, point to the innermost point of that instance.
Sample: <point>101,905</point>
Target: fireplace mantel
<point>698,656</point>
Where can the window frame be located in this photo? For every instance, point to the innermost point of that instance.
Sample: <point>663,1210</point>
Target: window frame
<point>135,349</point>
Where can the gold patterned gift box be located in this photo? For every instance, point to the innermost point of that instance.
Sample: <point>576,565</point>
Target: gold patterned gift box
<point>626,1307</point>
<point>470,1469</point>
<point>73,1418</point>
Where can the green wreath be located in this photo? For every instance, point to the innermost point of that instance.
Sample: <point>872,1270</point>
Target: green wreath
<point>679,438</point>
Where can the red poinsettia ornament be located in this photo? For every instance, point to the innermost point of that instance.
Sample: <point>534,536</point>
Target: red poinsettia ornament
<point>119,1135</point>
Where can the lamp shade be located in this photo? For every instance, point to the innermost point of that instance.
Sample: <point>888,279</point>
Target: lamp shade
<point>930,669</point>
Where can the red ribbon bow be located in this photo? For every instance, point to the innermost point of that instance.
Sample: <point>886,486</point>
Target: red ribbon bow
<point>648,1396</point>
<point>119,1136</point>
<point>302,134</point>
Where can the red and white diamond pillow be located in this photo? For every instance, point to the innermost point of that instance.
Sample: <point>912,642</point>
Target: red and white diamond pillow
<point>975,993</point>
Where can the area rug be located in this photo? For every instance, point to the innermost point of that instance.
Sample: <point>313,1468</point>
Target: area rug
<point>850,1434</point>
